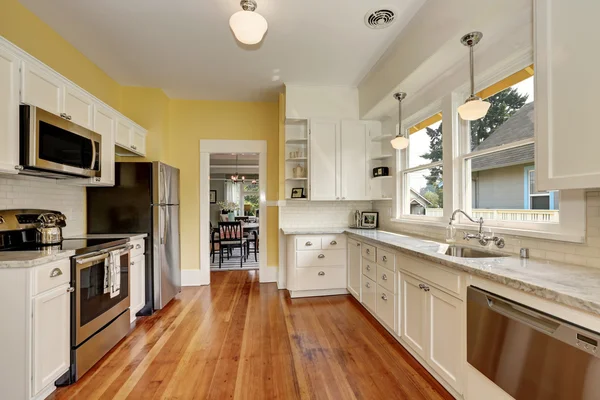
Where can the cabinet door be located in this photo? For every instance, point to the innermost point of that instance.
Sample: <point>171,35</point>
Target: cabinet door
<point>414,311</point>
<point>138,141</point>
<point>137,283</point>
<point>353,145</point>
<point>123,135</point>
<point>566,84</point>
<point>9,111</point>
<point>78,106</point>
<point>51,334</point>
<point>41,88</point>
<point>324,160</point>
<point>445,336</point>
<point>354,268</point>
<point>104,124</point>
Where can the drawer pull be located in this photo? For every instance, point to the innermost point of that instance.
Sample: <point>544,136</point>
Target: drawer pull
<point>426,288</point>
<point>138,246</point>
<point>384,277</point>
<point>384,258</point>
<point>70,290</point>
<point>333,243</point>
<point>421,286</point>
<point>321,255</point>
<point>55,272</point>
<point>368,285</point>
<point>384,297</point>
<point>368,251</point>
<point>357,244</point>
<point>132,263</point>
<point>308,244</point>
<point>321,273</point>
<point>368,267</point>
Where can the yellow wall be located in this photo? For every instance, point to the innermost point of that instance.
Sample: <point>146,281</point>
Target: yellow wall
<point>189,122</point>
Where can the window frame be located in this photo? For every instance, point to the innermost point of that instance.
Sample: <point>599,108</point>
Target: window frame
<point>402,201</point>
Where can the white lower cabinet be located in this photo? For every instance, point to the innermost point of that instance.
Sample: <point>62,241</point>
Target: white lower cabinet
<point>137,280</point>
<point>414,314</point>
<point>386,307</point>
<point>51,334</point>
<point>354,268</point>
<point>369,293</point>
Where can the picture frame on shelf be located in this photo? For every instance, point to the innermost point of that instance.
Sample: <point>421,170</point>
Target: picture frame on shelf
<point>213,197</point>
<point>298,193</point>
<point>369,219</point>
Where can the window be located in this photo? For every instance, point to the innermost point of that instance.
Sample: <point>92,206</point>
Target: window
<point>500,170</point>
<point>421,170</point>
<point>251,198</point>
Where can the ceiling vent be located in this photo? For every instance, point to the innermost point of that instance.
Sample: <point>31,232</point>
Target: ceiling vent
<point>380,18</point>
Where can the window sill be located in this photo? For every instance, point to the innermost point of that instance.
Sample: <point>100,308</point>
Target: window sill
<point>574,237</point>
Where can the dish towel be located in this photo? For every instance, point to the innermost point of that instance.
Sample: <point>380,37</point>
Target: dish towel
<point>115,273</point>
<point>107,272</point>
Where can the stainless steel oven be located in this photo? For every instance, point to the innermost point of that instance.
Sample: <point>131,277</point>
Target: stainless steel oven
<point>56,147</point>
<point>99,320</point>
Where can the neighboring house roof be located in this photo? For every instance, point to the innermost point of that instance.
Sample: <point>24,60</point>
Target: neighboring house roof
<point>418,199</point>
<point>518,127</point>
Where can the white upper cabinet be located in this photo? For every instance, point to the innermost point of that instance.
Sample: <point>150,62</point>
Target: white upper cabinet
<point>566,87</point>
<point>9,111</point>
<point>324,153</point>
<point>354,138</point>
<point>130,139</point>
<point>105,124</point>
<point>78,107</point>
<point>42,88</point>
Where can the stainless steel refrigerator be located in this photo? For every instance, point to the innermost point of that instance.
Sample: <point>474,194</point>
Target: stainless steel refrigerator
<point>145,199</point>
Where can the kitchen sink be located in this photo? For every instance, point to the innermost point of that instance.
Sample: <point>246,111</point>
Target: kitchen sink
<point>469,252</point>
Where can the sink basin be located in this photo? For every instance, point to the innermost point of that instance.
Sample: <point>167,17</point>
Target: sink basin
<point>468,252</point>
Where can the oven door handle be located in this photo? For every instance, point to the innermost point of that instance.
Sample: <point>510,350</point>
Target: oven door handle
<point>93,154</point>
<point>101,255</point>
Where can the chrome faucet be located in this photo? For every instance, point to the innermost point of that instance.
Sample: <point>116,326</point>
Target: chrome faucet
<point>480,236</point>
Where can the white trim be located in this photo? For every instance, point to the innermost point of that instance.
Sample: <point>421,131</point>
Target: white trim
<point>294,294</point>
<point>233,146</point>
<point>497,149</point>
<point>270,274</point>
<point>282,273</point>
<point>192,277</point>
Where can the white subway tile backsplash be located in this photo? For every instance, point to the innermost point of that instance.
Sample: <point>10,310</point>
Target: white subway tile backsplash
<point>20,191</point>
<point>334,214</point>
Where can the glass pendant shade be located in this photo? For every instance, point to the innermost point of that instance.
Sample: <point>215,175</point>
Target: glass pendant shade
<point>249,27</point>
<point>399,142</point>
<point>474,109</point>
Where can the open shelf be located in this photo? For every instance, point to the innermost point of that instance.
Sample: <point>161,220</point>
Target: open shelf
<point>382,177</point>
<point>382,138</point>
<point>382,157</point>
<point>300,199</point>
<point>296,159</point>
<point>296,179</point>
<point>296,141</point>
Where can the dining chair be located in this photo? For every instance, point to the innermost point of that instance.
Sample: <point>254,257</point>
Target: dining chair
<point>231,236</point>
<point>252,238</point>
<point>214,240</point>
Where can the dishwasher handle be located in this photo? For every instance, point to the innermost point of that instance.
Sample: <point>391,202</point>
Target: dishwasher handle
<point>523,315</point>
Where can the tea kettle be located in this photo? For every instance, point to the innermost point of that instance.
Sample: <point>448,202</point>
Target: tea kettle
<point>49,228</point>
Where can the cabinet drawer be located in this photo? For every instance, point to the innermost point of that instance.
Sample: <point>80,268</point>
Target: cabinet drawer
<point>369,294</point>
<point>369,252</point>
<point>138,248</point>
<point>51,275</point>
<point>308,243</point>
<point>320,258</point>
<point>439,276</point>
<point>386,259</point>
<point>332,242</point>
<point>369,269</point>
<point>386,279</point>
<point>321,278</point>
<point>386,307</point>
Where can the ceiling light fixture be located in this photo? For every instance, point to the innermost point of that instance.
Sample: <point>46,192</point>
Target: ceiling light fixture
<point>249,27</point>
<point>236,178</point>
<point>474,108</point>
<point>400,141</point>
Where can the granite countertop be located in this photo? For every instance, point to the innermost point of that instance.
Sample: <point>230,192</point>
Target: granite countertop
<point>29,259</point>
<point>574,286</point>
<point>312,231</point>
<point>130,236</point>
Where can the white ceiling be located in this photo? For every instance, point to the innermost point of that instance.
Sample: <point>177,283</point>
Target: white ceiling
<point>186,48</point>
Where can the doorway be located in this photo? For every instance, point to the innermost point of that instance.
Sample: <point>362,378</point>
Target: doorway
<point>246,161</point>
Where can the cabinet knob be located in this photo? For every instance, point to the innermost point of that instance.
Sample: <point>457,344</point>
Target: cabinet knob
<point>358,244</point>
<point>97,179</point>
<point>421,286</point>
<point>138,246</point>
<point>63,115</point>
<point>337,198</point>
<point>321,273</point>
<point>368,267</point>
<point>333,243</point>
<point>55,272</point>
<point>384,277</point>
<point>368,285</point>
<point>384,297</point>
<point>384,258</point>
<point>321,255</point>
<point>368,251</point>
<point>70,290</point>
<point>308,244</point>
<point>426,288</point>
<point>132,263</point>
<point>69,117</point>
<point>343,198</point>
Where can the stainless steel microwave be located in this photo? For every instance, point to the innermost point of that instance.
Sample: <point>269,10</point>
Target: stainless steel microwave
<point>55,147</point>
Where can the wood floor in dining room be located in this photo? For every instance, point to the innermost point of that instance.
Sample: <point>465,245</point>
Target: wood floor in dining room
<point>241,339</point>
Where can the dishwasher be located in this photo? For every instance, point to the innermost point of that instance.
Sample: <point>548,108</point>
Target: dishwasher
<point>529,354</point>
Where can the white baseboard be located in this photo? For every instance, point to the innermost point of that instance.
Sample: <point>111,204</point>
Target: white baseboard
<point>294,294</point>
<point>191,277</point>
<point>269,274</point>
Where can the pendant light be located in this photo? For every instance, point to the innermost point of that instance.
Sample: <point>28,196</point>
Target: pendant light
<point>236,178</point>
<point>249,27</point>
<point>400,141</point>
<point>474,108</point>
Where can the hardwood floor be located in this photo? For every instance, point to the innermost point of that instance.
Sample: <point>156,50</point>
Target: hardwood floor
<point>243,340</point>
